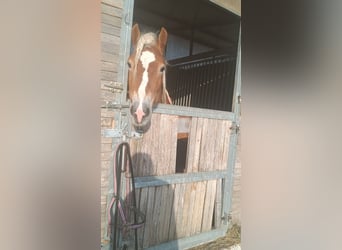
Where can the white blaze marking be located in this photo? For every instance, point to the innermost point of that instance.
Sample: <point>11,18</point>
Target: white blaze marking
<point>146,58</point>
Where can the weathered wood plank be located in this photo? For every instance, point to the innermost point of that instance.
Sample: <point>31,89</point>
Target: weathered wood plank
<point>109,76</point>
<point>110,85</point>
<point>185,211</point>
<point>172,228</point>
<point>111,10</point>
<point>106,140</point>
<point>210,164</point>
<point>110,48</point>
<point>157,214</point>
<point>165,213</point>
<point>192,208</point>
<point>106,155</point>
<point>209,205</point>
<point>143,208</point>
<point>111,20</point>
<point>109,66</point>
<point>107,38</point>
<point>191,145</point>
<point>106,147</point>
<point>116,3</point>
<point>107,113</point>
<point>112,56</point>
<point>110,29</point>
<point>179,210</point>
<point>134,149</point>
<point>202,164</point>
<point>173,143</point>
<point>160,150</point>
<point>168,211</point>
<point>151,143</point>
<point>149,227</point>
<point>167,144</point>
<point>195,144</point>
<point>198,212</point>
<point>109,95</point>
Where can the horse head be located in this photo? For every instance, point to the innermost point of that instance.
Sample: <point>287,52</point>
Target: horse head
<point>146,76</point>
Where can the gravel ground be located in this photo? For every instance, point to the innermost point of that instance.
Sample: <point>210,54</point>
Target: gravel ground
<point>230,242</point>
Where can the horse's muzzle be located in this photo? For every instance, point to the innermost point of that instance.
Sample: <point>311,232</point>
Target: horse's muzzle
<point>141,115</point>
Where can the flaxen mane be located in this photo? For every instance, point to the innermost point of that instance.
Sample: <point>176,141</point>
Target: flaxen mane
<point>148,39</point>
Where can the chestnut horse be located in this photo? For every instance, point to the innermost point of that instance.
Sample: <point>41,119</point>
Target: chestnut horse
<point>146,76</point>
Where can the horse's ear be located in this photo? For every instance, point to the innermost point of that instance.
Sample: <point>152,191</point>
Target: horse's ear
<point>135,35</point>
<point>162,39</point>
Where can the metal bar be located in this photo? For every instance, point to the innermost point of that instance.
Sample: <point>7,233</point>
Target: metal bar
<point>188,242</point>
<point>112,133</point>
<point>228,182</point>
<point>125,35</point>
<point>231,75</point>
<point>211,81</point>
<point>237,89</point>
<point>222,84</point>
<point>153,181</point>
<point>194,112</point>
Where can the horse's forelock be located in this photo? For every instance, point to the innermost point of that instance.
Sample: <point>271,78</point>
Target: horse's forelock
<point>147,39</point>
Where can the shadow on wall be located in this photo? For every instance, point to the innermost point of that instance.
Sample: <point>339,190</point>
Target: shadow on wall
<point>155,200</point>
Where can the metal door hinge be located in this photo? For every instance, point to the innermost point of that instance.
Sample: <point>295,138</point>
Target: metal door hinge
<point>235,128</point>
<point>239,99</point>
<point>226,218</point>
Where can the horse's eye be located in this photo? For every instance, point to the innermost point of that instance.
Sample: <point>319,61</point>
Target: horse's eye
<point>129,65</point>
<point>162,69</point>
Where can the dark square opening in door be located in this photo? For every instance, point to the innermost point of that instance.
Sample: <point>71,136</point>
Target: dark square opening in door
<point>201,49</point>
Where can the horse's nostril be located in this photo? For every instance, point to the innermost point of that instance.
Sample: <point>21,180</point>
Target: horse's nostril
<point>146,111</point>
<point>140,112</point>
<point>132,110</point>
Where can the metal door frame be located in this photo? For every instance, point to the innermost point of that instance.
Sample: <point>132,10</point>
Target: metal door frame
<point>226,175</point>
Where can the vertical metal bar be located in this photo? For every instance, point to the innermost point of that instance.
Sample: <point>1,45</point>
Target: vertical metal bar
<point>232,81</point>
<point>181,86</point>
<point>211,94</point>
<point>195,87</point>
<point>125,35</point>
<point>222,84</point>
<point>190,85</point>
<point>228,182</point>
<point>201,74</point>
<point>216,85</point>
<point>227,84</point>
<point>205,84</point>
